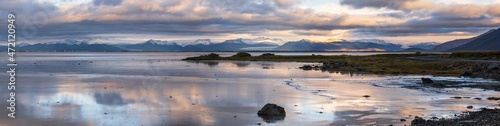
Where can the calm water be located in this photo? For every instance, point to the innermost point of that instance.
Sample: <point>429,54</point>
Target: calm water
<point>159,89</point>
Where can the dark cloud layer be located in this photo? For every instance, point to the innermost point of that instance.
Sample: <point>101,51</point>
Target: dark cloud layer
<point>392,4</point>
<point>218,17</point>
<point>107,2</point>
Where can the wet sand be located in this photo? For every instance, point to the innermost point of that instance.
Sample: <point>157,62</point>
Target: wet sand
<point>160,89</point>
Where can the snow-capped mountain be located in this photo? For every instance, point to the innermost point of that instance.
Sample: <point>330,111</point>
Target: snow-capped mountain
<point>365,45</point>
<point>376,41</point>
<point>425,45</point>
<point>159,42</point>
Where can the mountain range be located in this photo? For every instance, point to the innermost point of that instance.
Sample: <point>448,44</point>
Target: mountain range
<point>487,41</point>
<point>343,45</point>
<point>450,45</point>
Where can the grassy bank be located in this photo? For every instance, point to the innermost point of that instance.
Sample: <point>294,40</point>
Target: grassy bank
<point>494,55</point>
<point>378,64</point>
<point>455,64</point>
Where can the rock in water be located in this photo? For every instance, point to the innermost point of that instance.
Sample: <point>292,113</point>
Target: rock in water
<point>272,113</point>
<point>418,121</point>
<point>271,109</point>
<point>427,81</point>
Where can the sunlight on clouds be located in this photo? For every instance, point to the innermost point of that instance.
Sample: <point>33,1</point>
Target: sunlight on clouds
<point>416,5</point>
<point>424,38</point>
<point>289,20</point>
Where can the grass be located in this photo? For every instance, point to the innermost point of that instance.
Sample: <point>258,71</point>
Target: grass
<point>493,55</point>
<point>378,64</point>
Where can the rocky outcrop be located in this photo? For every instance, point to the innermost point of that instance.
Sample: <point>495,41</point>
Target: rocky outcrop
<point>333,65</point>
<point>427,81</point>
<point>328,66</point>
<point>482,70</point>
<point>493,66</point>
<point>484,117</point>
<point>418,121</point>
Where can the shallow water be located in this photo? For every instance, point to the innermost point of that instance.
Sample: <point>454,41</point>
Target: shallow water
<point>160,89</point>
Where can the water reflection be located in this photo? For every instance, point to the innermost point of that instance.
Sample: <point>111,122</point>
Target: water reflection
<point>241,64</point>
<point>109,99</point>
<point>209,63</point>
<point>139,89</point>
<point>272,118</point>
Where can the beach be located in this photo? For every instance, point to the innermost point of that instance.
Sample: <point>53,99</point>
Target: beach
<point>158,88</point>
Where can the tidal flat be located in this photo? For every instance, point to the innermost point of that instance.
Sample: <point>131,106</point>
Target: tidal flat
<point>153,88</point>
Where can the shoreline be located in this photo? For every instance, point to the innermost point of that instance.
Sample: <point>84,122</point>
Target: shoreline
<point>466,64</point>
<point>455,64</point>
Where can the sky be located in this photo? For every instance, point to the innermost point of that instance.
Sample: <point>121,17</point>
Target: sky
<point>279,21</point>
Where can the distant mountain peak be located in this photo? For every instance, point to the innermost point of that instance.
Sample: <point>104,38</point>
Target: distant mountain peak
<point>424,45</point>
<point>159,42</point>
<point>69,42</point>
<point>340,45</point>
<point>305,40</point>
<point>203,41</point>
<point>236,41</point>
<point>377,41</point>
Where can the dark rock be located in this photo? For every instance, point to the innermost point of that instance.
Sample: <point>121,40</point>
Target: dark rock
<point>493,98</point>
<point>306,67</point>
<point>493,66</point>
<point>470,107</point>
<point>418,121</point>
<point>272,109</point>
<point>438,85</point>
<point>366,96</point>
<point>402,120</point>
<point>484,117</point>
<point>333,65</point>
<point>427,81</point>
<point>467,73</point>
<point>272,113</point>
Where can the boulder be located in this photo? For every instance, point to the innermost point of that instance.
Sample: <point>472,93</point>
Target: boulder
<point>493,66</point>
<point>271,113</point>
<point>271,109</point>
<point>306,67</point>
<point>427,81</point>
<point>418,120</point>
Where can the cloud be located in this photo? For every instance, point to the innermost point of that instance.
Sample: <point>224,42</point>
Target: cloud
<point>187,17</point>
<point>313,32</point>
<point>391,4</point>
<point>107,2</point>
<point>246,17</point>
